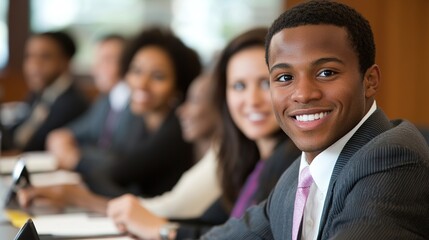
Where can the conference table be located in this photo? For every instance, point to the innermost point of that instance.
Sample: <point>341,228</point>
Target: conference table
<point>46,220</point>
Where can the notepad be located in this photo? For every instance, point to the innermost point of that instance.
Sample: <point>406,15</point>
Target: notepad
<point>75,225</point>
<point>35,162</point>
<point>55,178</point>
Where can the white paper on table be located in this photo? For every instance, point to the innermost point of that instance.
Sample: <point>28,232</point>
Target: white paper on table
<point>75,225</point>
<point>109,238</point>
<point>35,162</point>
<point>58,177</point>
<point>55,178</point>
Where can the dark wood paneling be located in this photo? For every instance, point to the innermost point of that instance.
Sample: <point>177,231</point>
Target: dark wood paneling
<point>11,79</point>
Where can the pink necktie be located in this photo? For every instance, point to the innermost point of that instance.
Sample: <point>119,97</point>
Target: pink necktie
<point>305,181</point>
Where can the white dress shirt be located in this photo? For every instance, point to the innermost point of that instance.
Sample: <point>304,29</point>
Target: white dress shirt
<point>321,170</point>
<point>119,96</point>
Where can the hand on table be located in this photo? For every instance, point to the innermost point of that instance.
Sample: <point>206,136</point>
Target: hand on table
<point>131,217</point>
<point>56,196</point>
<point>62,145</point>
<point>61,196</point>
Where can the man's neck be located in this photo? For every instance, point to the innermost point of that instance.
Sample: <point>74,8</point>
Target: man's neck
<point>309,157</point>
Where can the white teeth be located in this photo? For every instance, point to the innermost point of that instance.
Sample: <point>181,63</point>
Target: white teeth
<point>311,117</point>
<point>256,116</point>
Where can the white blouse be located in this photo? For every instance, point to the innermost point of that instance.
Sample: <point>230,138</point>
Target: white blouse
<point>195,191</point>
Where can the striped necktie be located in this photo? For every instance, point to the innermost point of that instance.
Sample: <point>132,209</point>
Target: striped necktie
<point>305,181</point>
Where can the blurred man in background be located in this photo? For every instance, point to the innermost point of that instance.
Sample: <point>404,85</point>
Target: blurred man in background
<point>54,99</point>
<point>104,129</point>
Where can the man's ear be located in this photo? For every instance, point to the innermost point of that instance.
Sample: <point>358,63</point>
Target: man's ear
<point>371,80</point>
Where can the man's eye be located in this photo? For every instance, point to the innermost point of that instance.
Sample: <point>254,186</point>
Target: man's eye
<point>238,86</point>
<point>326,73</point>
<point>285,78</point>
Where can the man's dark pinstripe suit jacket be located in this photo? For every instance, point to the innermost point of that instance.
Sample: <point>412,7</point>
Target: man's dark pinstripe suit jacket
<point>379,189</point>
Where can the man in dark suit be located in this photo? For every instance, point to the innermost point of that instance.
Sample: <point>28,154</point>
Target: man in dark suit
<point>106,128</point>
<point>366,177</point>
<point>54,100</point>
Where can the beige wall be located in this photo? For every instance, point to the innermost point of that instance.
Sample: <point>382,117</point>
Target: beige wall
<point>401,30</point>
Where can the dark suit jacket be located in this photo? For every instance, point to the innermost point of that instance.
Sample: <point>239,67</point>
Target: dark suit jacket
<point>379,189</point>
<point>88,130</point>
<point>67,107</point>
<point>152,164</point>
<point>6,141</point>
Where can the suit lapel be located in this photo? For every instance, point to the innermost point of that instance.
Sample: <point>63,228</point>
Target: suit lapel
<point>124,122</point>
<point>373,126</point>
<point>100,115</point>
<point>289,203</point>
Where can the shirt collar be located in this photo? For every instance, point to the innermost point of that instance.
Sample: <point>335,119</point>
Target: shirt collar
<point>119,96</point>
<point>58,87</point>
<point>323,164</point>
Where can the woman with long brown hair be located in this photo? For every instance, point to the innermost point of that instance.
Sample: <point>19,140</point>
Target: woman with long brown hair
<point>253,152</point>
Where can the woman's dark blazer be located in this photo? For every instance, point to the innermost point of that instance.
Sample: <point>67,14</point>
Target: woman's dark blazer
<point>149,165</point>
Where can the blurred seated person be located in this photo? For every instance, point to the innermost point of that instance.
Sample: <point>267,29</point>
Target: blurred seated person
<point>198,187</point>
<point>54,99</point>
<point>104,127</point>
<point>4,138</point>
<point>159,68</point>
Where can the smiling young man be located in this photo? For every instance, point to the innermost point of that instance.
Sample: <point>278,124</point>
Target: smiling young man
<point>365,177</point>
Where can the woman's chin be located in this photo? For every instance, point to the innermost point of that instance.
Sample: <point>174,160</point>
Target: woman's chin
<point>138,109</point>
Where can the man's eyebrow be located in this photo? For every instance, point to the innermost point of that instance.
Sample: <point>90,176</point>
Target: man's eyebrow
<point>314,63</point>
<point>280,66</point>
<point>326,60</point>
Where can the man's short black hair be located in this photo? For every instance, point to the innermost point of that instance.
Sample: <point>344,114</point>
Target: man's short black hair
<point>328,12</point>
<point>64,40</point>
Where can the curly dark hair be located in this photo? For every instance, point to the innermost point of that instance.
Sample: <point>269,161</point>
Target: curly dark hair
<point>328,12</point>
<point>237,154</point>
<point>64,41</point>
<point>186,62</point>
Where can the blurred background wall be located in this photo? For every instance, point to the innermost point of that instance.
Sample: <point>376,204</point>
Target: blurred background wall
<point>401,30</point>
<point>204,25</point>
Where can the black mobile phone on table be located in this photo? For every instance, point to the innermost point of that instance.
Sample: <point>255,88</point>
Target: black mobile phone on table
<point>20,179</point>
<point>27,232</point>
